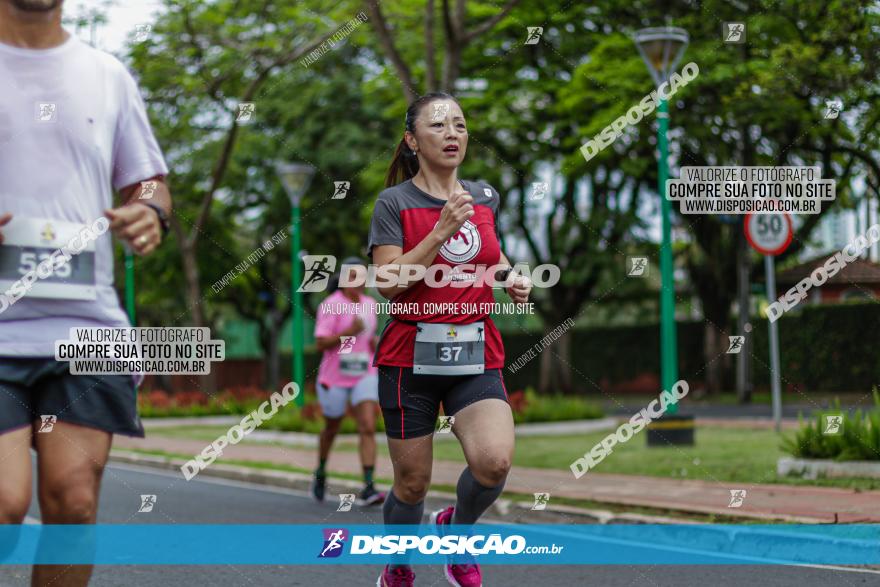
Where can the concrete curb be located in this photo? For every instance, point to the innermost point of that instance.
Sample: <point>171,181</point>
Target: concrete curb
<point>815,468</point>
<point>306,439</point>
<point>713,539</point>
<point>505,509</point>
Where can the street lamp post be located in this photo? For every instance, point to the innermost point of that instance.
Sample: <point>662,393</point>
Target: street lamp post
<point>296,177</point>
<point>661,49</point>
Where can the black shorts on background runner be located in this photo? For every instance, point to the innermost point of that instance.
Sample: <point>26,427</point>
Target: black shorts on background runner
<point>33,387</point>
<point>411,403</point>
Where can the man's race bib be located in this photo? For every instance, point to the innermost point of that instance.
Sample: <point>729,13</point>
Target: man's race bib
<point>354,364</point>
<point>449,349</point>
<point>33,263</point>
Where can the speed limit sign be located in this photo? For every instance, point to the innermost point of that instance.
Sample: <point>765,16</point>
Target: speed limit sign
<point>769,234</point>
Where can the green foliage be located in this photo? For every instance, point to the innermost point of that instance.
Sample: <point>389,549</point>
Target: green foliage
<point>553,408</point>
<point>858,441</point>
<point>819,351</point>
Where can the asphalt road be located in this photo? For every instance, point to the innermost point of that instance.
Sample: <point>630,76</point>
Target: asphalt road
<point>213,501</point>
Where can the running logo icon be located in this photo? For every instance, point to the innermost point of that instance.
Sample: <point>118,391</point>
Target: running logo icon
<point>444,424</point>
<point>142,32</point>
<point>832,109</point>
<point>341,189</point>
<point>346,500</point>
<point>245,112</point>
<point>541,501</point>
<point>334,542</point>
<point>346,344</point>
<point>638,267</point>
<point>539,190</point>
<point>833,425</point>
<point>440,112</point>
<point>737,497</point>
<point>147,503</point>
<point>47,111</point>
<point>534,35</point>
<point>319,268</point>
<point>148,189</point>
<point>734,32</point>
<point>736,344</point>
<point>47,423</point>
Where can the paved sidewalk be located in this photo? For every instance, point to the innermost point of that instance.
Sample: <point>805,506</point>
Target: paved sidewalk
<point>792,503</point>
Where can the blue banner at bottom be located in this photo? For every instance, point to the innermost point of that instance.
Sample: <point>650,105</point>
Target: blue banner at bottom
<point>490,544</point>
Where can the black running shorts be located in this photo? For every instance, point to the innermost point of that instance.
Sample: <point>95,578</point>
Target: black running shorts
<point>411,403</point>
<point>34,387</point>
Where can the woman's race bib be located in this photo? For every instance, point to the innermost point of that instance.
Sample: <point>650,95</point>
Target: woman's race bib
<point>449,349</point>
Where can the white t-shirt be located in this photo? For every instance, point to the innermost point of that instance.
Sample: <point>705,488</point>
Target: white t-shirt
<point>61,169</point>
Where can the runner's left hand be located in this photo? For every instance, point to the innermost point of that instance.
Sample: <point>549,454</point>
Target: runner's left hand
<point>519,291</point>
<point>138,225</point>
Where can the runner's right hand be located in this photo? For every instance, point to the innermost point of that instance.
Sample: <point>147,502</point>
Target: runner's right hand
<point>4,220</point>
<point>458,208</point>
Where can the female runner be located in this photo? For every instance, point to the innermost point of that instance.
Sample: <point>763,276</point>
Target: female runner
<point>429,217</point>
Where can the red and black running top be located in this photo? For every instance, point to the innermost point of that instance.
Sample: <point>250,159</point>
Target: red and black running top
<point>403,216</point>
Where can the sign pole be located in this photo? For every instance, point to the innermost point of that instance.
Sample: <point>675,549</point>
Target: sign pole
<point>770,269</point>
<point>770,235</point>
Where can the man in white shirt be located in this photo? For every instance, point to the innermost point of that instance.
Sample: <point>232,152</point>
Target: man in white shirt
<point>73,127</point>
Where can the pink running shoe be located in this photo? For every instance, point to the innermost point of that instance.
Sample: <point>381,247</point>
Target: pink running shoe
<point>466,575</point>
<point>399,577</point>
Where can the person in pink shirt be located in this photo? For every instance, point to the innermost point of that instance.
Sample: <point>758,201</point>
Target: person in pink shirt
<point>345,329</point>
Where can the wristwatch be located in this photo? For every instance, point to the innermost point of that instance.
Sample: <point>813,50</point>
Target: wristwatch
<point>163,216</point>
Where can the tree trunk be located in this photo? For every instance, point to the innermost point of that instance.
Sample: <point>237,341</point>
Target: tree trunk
<point>556,366</point>
<point>208,383</point>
